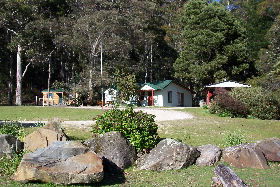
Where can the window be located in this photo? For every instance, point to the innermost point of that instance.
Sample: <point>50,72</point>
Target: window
<point>50,95</point>
<point>170,97</point>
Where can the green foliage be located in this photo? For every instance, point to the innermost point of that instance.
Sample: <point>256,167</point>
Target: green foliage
<point>8,165</point>
<point>138,127</point>
<point>126,86</point>
<point>235,138</point>
<point>260,102</point>
<point>12,128</point>
<point>226,106</point>
<point>215,45</point>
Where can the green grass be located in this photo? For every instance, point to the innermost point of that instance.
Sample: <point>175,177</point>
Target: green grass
<point>206,128</point>
<point>34,113</point>
<point>203,129</point>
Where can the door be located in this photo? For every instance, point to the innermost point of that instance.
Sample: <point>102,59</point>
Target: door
<point>180,99</point>
<point>150,99</point>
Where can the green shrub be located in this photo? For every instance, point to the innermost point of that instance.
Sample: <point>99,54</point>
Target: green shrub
<point>8,165</point>
<point>138,127</point>
<point>234,138</point>
<point>226,106</point>
<point>12,128</point>
<point>260,102</point>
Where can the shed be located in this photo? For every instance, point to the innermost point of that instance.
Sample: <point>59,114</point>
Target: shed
<point>110,95</point>
<point>165,93</point>
<point>221,87</point>
<point>52,97</point>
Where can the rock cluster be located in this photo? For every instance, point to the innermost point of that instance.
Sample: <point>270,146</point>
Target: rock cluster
<point>59,161</point>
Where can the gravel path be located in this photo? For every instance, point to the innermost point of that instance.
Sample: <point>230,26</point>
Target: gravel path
<point>165,114</point>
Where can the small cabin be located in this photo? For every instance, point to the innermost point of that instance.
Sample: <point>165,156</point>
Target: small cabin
<point>52,97</point>
<point>165,94</point>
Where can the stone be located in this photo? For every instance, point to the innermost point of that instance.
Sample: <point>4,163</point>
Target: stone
<point>245,156</point>
<point>209,155</point>
<point>169,154</point>
<point>114,148</point>
<point>226,177</point>
<point>270,148</point>
<point>9,145</point>
<point>44,137</point>
<point>61,163</point>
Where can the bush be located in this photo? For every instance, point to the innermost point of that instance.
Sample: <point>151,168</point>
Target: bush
<point>234,138</point>
<point>138,127</point>
<point>226,106</point>
<point>8,165</point>
<point>260,102</point>
<point>12,128</point>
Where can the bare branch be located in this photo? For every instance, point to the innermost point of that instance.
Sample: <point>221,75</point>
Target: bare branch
<point>12,31</point>
<point>25,70</point>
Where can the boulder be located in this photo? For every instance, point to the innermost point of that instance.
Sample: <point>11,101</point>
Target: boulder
<point>61,163</point>
<point>209,155</point>
<point>44,137</point>
<point>115,148</point>
<point>226,177</point>
<point>9,145</point>
<point>245,156</point>
<point>270,148</point>
<point>169,154</point>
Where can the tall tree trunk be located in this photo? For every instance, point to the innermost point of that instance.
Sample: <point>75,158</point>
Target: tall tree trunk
<point>19,77</point>
<point>10,84</point>
<point>151,67</point>
<point>92,59</point>
<point>49,82</point>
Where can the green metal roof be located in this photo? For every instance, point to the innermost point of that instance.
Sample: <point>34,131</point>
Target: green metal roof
<point>159,85</point>
<point>53,90</point>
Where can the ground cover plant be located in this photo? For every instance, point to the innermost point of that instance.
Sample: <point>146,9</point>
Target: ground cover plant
<point>46,113</point>
<point>205,128</point>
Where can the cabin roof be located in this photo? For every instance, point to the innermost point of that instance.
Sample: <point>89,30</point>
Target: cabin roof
<point>228,84</point>
<point>158,85</point>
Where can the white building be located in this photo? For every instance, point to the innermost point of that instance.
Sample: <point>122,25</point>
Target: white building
<point>110,95</point>
<point>165,93</point>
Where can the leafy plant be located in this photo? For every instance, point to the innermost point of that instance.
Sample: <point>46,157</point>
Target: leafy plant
<point>226,106</point>
<point>261,103</point>
<point>12,128</point>
<point>234,138</point>
<point>8,165</point>
<point>138,127</point>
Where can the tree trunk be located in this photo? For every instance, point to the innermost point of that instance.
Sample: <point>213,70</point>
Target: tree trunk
<point>49,82</point>
<point>19,78</point>
<point>10,84</point>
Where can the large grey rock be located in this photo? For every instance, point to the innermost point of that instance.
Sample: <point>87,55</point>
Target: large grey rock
<point>9,145</point>
<point>226,177</point>
<point>209,155</point>
<point>245,156</point>
<point>115,148</point>
<point>270,148</point>
<point>45,136</point>
<point>169,154</point>
<point>61,163</point>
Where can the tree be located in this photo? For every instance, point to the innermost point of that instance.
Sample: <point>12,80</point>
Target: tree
<point>126,86</point>
<point>215,45</point>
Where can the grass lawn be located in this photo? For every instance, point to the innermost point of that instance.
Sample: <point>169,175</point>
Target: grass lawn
<point>34,113</point>
<point>203,129</point>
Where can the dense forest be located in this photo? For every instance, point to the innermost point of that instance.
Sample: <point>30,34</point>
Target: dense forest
<point>61,44</point>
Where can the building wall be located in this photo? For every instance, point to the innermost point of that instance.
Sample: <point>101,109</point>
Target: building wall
<point>162,96</point>
<point>52,101</point>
